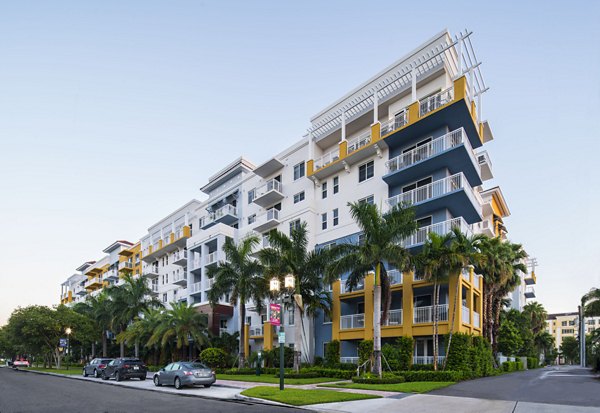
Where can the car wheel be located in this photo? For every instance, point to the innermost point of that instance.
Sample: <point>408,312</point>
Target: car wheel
<point>103,376</point>
<point>207,386</point>
<point>118,376</point>
<point>85,373</point>
<point>143,378</point>
<point>95,373</point>
<point>157,381</point>
<point>177,383</point>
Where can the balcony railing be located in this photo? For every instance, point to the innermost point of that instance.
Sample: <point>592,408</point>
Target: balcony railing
<point>352,321</point>
<point>350,360</point>
<point>225,210</point>
<point>466,315</point>
<point>256,331</point>
<point>476,319</point>
<point>477,281</point>
<point>429,150</point>
<point>441,228</point>
<point>211,258</point>
<point>433,190</point>
<point>195,288</point>
<point>154,288</point>
<point>270,185</point>
<point>425,314</point>
<point>209,283</point>
<point>400,120</point>
<point>466,274</point>
<point>436,101</point>
<point>343,289</point>
<point>125,265</point>
<point>394,318</point>
<point>418,276</point>
<point>179,255</point>
<point>178,278</point>
<point>427,359</point>
<point>328,158</point>
<point>395,277</point>
<point>358,142</point>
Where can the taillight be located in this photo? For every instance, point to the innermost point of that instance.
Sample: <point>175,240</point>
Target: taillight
<point>213,372</point>
<point>101,366</point>
<point>188,373</point>
<point>126,366</point>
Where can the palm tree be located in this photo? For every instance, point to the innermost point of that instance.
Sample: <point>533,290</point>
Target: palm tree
<point>129,300</point>
<point>383,233</point>
<point>436,261</point>
<point>289,255</point>
<point>242,278</point>
<point>181,323</point>
<point>142,329</point>
<point>536,315</point>
<point>591,303</point>
<point>98,308</point>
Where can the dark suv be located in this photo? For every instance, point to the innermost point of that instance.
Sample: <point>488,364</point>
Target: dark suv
<point>125,368</point>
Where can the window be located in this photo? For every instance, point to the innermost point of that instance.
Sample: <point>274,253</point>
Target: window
<point>299,197</point>
<point>324,221</point>
<point>368,199</point>
<point>248,320</point>
<point>251,195</point>
<point>568,331</point>
<point>366,171</point>
<point>336,184</point>
<point>298,171</point>
<point>324,190</point>
<point>361,239</point>
<point>295,224</point>
<point>291,317</point>
<point>336,218</point>
<point>572,322</point>
<point>417,184</point>
<point>326,318</point>
<point>166,278</point>
<point>564,323</point>
<point>164,297</point>
<point>423,222</point>
<point>252,219</point>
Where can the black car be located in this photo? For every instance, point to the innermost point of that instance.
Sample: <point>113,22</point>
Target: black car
<point>125,368</point>
<point>95,367</point>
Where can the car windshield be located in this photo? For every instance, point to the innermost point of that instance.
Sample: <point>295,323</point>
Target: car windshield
<point>104,361</point>
<point>132,361</point>
<point>194,365</point>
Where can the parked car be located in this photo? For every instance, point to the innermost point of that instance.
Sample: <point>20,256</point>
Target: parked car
<point>125,368</point>
<point>20,362</point>
<point>95,367</point>
<point>185,373</point>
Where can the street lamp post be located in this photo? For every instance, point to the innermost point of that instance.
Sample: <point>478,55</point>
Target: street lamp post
<point>258,364</point>
<point>289,283</point>
<point>68,331</point>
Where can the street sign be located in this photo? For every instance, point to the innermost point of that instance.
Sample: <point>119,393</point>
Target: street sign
<point>282,338</point>
<point>275,317</point>
<point>62,342</point>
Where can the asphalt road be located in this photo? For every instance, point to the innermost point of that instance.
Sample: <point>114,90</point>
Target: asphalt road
<point>21,391</point>
<point>566,385</point>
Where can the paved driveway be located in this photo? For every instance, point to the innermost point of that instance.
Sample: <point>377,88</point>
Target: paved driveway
<point>566,385</point>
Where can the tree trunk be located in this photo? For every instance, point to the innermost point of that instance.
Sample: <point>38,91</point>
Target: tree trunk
<point>104,344</point>
<point>242,344</point>
<point>137,349</point>
<point>436,298</point>
<point>93,349</point>
<point>297,337</point>
<point>453,320</point>
<point>122,345</point>
<point>377,323</point>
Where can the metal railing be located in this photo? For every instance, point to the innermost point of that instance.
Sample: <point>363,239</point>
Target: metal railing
<point>425,314</point>
<point>154,288</point>
<point>427,359</point>
<point>466,274</point>
<point>226,209</point>
<point>352,321</point>
<point>418,276</point>
<point>343,289</point>
<point>196,263</point>
<point>440,228</point>
<point>435,147</point>
<point>270,185</point>
<point>209,283</point>
<point>327,158</point>
<point>125,265</point>
<point>394,318</point>
<point>398,121</point>
<point>270,215</point>
<point>350,360</point>
<point>195,288</point>
<point>179,255</point>
<point>476,319</point>
<point>395,277</point>
<point>433,190</point>
<point>358,142</point>
<point>436,101</point>
<point>477,281</point>
<point>466,315</point>
<point>180,277</point>
<point>211,258</point>
<point>256,331</point>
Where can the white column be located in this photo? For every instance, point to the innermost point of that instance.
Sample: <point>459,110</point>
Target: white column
<point>375,107</point>
<point>187,218</point>
<point>310,146</point>
<point>459,57</point>
<point>479,108</point>
<point>472,83</point>
<point>413,75</point>
<point>343,116</point>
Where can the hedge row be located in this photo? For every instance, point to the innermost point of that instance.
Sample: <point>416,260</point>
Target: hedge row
<point>446,375</point>
<point>512,366</point>
<point>377,380</point>
<point>333,373</point>
<point>308,375</point>
<point>249,371</point>
<point>532,363</point>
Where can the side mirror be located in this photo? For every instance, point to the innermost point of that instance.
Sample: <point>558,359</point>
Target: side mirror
<point>162,369</point>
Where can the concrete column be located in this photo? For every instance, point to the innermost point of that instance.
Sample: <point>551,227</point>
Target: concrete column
<point>375,107</point>
<point>413,75</point>
<point>343,118</point>
<point>369,288</point>
<point>407,303</point>
<point>335,311</point>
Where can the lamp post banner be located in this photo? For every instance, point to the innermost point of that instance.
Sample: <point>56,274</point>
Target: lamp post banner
<point>275,314</point>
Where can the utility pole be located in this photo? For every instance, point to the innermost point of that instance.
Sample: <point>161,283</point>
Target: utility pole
<point>581,337</point>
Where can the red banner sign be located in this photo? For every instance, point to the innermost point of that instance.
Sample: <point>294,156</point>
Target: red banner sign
<point>275,317</point>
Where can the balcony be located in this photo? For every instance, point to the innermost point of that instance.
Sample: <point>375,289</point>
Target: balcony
<point>466,315</point>
<point>211,258</point>
<point>441,228</point>
<point>427,359</point>
<point>349,360</point>
<point>394,318</point>
<point>328,158</point>
<point>436,101</point>
<point>180,279</point>
<point>418,277</point>
<point>171,242</point>
<point>209,283</point>
<point>125,266</point>
<point>150,271</point>
<point>477,281</point>
<point>345,290</point>
<point>93,283</point>
<point>196,264</point>
<point>268,194</point>
<point>348,322</point>
<point>80,290</point>
<point>395,277</point>
<point>195,288</point>
<point>529,292</point>
<point>530,279</point>
<point>452,151</point>
<point>423,315</point>
<point>485,227</point>
<point>452,192</point>
<point>485,165</point>
<point>256,331</point>
<point>267,221</point>
<point>111,275</point>
<point>154,289</point>
<point>227,214</point>
<point>180,258</point>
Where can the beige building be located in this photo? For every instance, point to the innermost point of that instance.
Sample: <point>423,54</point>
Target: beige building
<point>562,325</point>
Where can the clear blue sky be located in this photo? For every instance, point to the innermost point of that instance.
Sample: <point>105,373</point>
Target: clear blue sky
<point>113,113</point>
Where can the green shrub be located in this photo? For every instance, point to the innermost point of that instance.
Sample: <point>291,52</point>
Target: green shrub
<point>399,354</point>
<point>459,355</point>
<point>446,375</point>
<point>377,380</point>
<point>533,363</point>
<point>319,361</point>
<point>365,351</point>
<point>250,371</point>
<point>214,357</point>
<point>509,366</point>
<point>422,367</point>
<point>306,375</point>
<point>333,373</point>
<point>332,355</point>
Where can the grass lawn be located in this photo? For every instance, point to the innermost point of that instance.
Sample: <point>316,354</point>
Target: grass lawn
<point>72,370</point>
<point>412,387</point>
<point>269,378</point>
<point>299,397</point>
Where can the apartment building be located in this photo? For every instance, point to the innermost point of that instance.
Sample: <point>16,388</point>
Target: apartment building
<point>412,133</point>
<point>562,325</point>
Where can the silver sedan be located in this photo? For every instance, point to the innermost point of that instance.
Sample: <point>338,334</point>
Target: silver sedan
<point>185,373</point>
